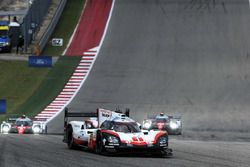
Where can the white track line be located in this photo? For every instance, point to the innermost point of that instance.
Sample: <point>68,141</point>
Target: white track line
<point>91,63</point>
<point>89,53</point>
<point>74,32</point>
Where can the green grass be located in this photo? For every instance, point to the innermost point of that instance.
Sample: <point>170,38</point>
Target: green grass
<point>51,86</point>
<point>65,27</point>
<point>29,90</point>
<point>18,82</point>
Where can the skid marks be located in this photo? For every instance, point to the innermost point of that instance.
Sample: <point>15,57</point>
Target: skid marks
<point>206,5</point>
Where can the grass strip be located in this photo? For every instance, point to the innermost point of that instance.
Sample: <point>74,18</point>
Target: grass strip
<point>18,82</point>
<point>50,87</point>
<point>65,26</point>
<point>29,90</point>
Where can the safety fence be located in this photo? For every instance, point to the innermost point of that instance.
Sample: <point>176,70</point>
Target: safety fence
<point>33,19</point>
<point>52,24</point>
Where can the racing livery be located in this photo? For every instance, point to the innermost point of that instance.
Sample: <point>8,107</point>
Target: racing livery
<point>115,132</point>
<point>21,125</point>
<point>171,124</point>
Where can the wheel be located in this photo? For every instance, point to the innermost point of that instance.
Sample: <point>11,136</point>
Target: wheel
<point>70,139</point>
<point>99,148</point>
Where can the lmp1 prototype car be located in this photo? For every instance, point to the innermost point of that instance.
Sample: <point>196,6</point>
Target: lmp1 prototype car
<point>114,133</point>
<point>20,125</point>
<point>171,124</point>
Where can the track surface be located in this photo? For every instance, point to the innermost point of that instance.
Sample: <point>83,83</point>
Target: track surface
<point>189,57</point>
<point>43,151</point>
<point>184,56</point>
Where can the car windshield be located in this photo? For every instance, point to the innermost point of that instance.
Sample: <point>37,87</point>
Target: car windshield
<point>3,33</point>
<point>24,123</point>
<point>126,127</point>
<point>164,120</point>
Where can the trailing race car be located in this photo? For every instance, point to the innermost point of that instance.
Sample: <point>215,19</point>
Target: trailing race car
<point>115,133</point>
<point>171,124</point>
<point>20,125</point>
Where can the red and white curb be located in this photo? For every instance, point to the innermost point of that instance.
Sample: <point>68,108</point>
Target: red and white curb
<point>75,82</point>
<point>71,87</point>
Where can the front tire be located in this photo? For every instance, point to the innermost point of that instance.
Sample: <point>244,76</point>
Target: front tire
<point>99,148</point>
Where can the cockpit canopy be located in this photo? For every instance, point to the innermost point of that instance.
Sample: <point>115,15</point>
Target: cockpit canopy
<point>23,123</point>
<point>125,127</point>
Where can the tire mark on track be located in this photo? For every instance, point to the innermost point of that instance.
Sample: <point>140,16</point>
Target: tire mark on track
<point>205,5</point>
<point>204,159</point>
<point>2,148</point>
<point>224,6</point>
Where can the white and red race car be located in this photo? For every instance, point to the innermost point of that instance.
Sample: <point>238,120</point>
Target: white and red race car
<point>113,132</point>
<point>172,124</point>
<point>21,125</point>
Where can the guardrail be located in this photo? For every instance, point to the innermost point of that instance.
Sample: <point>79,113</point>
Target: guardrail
<point>32,21</point>
<point>52,25</point>
<point>13,13</point>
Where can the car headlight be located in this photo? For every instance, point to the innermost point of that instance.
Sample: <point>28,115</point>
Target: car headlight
<point>6,44</point>
<point>36,129</point>
<point>6,128</point>
<point>147,124</point>
<point>163,140</point>
<point>112,140</point>
<point>175,124</point>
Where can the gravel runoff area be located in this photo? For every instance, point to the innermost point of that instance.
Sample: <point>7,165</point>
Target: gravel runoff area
<point>8,5</point>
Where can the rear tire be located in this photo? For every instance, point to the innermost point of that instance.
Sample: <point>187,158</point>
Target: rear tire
<point>70,139</point>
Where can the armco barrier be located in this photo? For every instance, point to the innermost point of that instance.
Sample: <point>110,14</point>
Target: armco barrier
<point>52,24</point>
<point>33,19</point>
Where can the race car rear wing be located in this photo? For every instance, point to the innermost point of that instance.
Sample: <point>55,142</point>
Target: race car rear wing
<point>101,114</point>
<point>14,117</point>
<point>169,116</point>
<point>68,114</point>
<point>77,114</point>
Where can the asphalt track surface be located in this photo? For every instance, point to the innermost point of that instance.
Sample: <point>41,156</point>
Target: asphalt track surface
<point>182,57</point>
<point>44,151</point>
<point>189,57</point>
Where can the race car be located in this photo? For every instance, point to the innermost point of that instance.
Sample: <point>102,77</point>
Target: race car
<point>20,125</point>
<point>116,132</point>
<point>171,124</point>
